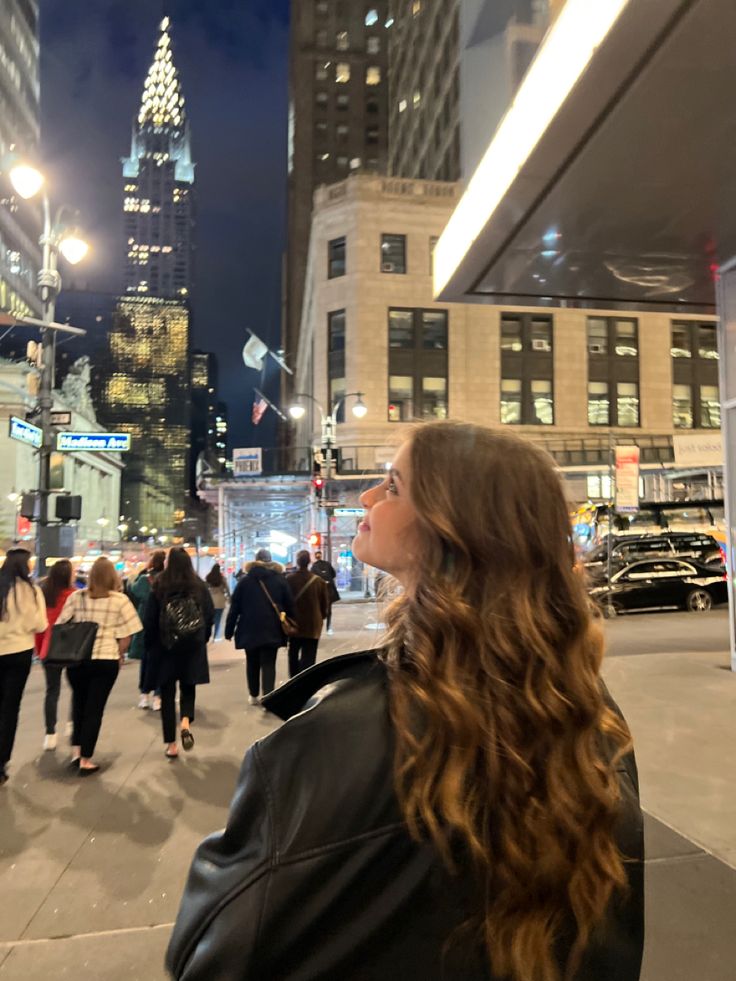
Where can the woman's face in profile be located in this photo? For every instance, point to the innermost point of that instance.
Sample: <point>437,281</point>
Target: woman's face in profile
<point>387,537</point>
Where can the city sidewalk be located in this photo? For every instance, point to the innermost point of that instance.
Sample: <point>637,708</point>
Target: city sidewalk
<point>91,871</point>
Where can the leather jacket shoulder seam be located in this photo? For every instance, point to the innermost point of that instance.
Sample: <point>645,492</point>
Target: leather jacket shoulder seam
<point>309,853</point>
<point>270,809</point>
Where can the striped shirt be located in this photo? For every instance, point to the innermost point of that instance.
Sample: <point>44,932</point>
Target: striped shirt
<point>114,614</point>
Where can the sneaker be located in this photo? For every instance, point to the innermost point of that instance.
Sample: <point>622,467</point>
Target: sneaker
<point>143,702</point>
<point>253,700</point>
<point>156,703</point>
<point>49,741</point>
<point>330,632</point>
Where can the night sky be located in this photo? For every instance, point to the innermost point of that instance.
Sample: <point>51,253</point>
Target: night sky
<point>232,60</point>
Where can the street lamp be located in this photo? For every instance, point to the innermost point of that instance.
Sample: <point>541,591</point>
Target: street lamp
<point>59,236</point>
<point>329,422</point>
<point>103,523</point>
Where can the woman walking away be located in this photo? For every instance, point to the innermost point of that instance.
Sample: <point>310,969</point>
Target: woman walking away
<point>179,619</point>
<point>103,603</point>
<point>259,598</point>
<point>220,593</point>
<point>311,604</point>
<point>22,615</point>
<point>466,796</point>
<point>139,591</point>
<point>56,588</point>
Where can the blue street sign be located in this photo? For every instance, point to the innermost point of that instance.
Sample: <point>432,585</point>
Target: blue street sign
<point>349,512</point>
<point>93,442</point>
<point>25,432</point>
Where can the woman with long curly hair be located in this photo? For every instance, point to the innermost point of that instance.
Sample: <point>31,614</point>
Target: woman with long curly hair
<point>463,803</point>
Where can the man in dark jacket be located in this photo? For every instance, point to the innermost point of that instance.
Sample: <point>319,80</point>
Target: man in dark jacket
<point>310,600</point>
<point>326,571</point>
<point>254,621</point>
<point>316,875</point>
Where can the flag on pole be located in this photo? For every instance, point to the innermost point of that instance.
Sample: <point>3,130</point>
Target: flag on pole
<point>259,407</point>
<point>254,352</point>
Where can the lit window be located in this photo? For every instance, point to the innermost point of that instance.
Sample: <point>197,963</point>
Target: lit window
<point>342,72</point>
<point>627,407</point>
<point>416,7</point>
<point>598,404</point>
<point>343,133</point>
<point>371,17</point>
<point>597,335</point>
<point>707,343</point>
<point>323,157</point>
<point>402,105</point>
<point>393,253</point>
<point>511,334</point>
<point>373,45</point>
<point>417,98</point>
<point>710,407</point>
<point>373,75</point>
<point>682,406</point>
<point>342,42</point>
<point>627,344</point>
<point>511,401</point>
<point>434,398</point>
<point>400,398</point>
<point>542,403</point>
<point>681,341</point>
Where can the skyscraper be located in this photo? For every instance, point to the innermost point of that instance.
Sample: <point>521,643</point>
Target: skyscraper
<point>20,221</point>
<point>338,121</point>
<point>158,185</point>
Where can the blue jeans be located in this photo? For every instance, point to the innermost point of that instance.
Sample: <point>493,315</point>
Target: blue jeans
<point>216,624</point>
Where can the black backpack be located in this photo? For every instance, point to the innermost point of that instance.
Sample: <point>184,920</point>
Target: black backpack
<point>181,619</point>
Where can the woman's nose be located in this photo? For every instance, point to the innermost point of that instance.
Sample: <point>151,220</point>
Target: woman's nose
<point>368,496</point>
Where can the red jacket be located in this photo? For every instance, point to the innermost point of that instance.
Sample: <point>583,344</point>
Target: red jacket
<point>52,612</point>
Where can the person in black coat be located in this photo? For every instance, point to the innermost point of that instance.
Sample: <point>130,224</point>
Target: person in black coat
<point>178,620</point>
<point>254,621</point>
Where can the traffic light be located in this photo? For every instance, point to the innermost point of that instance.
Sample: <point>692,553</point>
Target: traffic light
<point>318,484</point>
<point>315,539</point>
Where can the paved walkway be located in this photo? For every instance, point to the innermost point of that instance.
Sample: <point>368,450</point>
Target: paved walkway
<point>91,871</point>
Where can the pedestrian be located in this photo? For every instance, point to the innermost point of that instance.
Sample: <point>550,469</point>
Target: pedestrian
<point>56,587</point>
<point>310,603</point>
<point>101,602</point>
<point>220,593</point>
<point>462,803</point>
<point>327,572</point>
<point>179,618</point>
<point>22,616</point>
<point>139,592</point>
<point>254,622</point>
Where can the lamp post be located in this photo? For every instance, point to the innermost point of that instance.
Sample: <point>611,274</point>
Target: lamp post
<point>329,424</point>
<point>57,237</point>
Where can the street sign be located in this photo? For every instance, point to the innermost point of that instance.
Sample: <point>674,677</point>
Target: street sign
<point>247,461</point>
<point>627,479</point>
<point>330,504</point>
<point>61,418</point>
<point>25,432</point>
<point>93,442</point>
<point>349,512</point>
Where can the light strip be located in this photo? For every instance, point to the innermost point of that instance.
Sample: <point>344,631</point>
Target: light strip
<point>561,60</point>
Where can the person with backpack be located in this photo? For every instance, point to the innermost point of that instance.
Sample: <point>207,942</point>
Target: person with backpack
<point>22,615</point>
<point>139,591</point>
<point>255,621</point>
<point>56,588</point>
<point>312,605</point>
<point>178,622</point>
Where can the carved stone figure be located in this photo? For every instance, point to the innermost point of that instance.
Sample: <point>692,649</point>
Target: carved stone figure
<point>75,389</point>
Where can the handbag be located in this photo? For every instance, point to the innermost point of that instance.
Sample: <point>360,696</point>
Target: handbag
<point>289,626</point>
<point>71,643</point>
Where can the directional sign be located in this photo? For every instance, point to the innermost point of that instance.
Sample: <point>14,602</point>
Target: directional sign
<point>25,432</point>
<point>93,442</point>
<point>61,418</point>
<point>349,512</point>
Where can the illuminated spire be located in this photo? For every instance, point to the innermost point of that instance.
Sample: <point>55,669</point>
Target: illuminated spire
<point>163,101</point>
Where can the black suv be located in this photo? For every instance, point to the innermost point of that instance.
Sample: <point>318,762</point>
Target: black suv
<point>628,548</point>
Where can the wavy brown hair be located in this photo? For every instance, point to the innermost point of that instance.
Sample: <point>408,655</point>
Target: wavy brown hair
<point>506,747</point>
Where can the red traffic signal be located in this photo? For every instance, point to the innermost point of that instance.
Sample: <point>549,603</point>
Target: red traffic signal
<point>318,483</point>
<point>315,539</point>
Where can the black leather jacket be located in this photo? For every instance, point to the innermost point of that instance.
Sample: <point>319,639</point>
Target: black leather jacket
<point>315,877</point>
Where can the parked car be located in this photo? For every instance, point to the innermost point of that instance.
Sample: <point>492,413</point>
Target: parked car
<point>626,549</point>
<point>655,584</point>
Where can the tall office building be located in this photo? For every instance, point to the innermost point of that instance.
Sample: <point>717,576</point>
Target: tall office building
<point>209,417</point>
<point>338,120</point>
<point>158,185</point>
<point>20,221</point>
<point>453,61</point>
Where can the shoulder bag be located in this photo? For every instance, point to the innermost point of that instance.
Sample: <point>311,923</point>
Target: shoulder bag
<point>73,642</point>
<point>289,626</point>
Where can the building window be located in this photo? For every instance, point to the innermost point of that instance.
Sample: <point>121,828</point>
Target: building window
<point>336,258</point>
<point>510,401</point>
<point>627,343</point>
<point>373,75</point>
<point>371,17</point>
<point>682,406</point>
<point>597,335</point>
<point>371,107</point>
<point>320,129</point>
<point>402,105</point>
<point>627,404</point>
<point>336,359</point>
<point>598,404</point>
<point>417,384</point>
<point>342,162</point>
<point>707,342</point>
<point>681,337</point>
<point>342,72</point>
<point>710,407</point>
<point>542,403</point>
<point>321,70</point>
<point>343,101</point>
<point>342,41</point>
<point>527,369</point>
<point>321,38</point>
<point>321,100</point>
<point>416,7</point>
<point>393,253</point>
<point>343,133</point>
<point>322,7</point>
<point>541,334</point>
<point>371,135</point>
<point>373,45</point>
<point>511,334</point>
<point>417,98</point>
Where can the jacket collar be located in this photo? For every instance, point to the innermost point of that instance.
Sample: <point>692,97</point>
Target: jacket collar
<point>291,698</point>
<point>264,566</point>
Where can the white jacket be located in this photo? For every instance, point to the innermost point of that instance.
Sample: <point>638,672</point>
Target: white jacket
<point>25,617</point>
